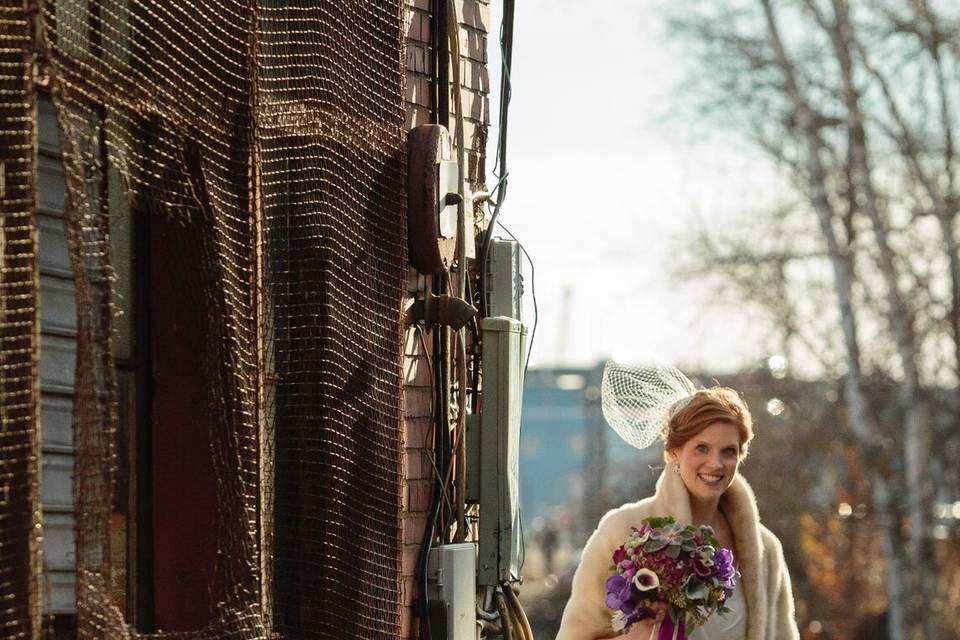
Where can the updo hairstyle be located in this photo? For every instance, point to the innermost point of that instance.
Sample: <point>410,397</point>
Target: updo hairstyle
<point>703,408</point>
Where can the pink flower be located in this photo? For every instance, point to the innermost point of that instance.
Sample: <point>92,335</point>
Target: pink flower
<point>619,555</point>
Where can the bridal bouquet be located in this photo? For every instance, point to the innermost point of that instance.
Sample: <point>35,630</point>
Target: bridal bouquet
<point>667,566</point>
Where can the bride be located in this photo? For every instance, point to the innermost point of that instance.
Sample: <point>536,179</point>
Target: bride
<point>706,437</point>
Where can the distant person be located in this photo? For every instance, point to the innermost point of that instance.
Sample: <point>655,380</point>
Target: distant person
<point>873,627</point>
<point>548,544</point>
<point>706,434</point>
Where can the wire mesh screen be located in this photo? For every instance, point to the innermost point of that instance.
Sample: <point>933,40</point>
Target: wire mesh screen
<point>19,387</point>
<point>271,135</point>
<point>335,250</point>
<point>330,119</point>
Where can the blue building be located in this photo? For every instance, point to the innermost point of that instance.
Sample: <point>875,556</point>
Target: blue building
<point>568,454</point>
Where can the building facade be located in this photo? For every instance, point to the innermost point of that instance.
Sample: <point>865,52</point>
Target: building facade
<point>215,419</point>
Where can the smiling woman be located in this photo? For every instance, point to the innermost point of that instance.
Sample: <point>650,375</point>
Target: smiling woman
<point>706,435</point>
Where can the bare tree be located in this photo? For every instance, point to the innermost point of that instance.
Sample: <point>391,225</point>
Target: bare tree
<point>855,101</point>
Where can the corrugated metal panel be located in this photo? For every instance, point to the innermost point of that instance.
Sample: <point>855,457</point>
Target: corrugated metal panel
<point>58,356</point>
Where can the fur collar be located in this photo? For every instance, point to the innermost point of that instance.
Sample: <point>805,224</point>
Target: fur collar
<point>740,506</point>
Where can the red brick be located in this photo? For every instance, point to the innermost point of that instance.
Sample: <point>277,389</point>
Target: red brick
<point>416,371</point>
<point>408,590</point>
<point>418,26</point>
<point>408,563</point>
<point>418,465</point>
<point>417,58</point>
<point>408,624</point>
<point>472,133</point>
<point>418,403</point>
<point>415,432</point>
<point>474,14</point>
<point>425,34</point>
<point>476,105</point>
<point>417,89</point>
<point>417,115</point>
<point>410,341</point>
<point>473,44</point>
<point>418,495</point>
<point>474,75</point>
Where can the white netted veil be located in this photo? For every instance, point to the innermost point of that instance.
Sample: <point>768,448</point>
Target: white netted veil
<point>638,400</point>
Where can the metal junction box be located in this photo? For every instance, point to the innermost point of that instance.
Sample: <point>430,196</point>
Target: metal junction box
<point>451,585</point>
<point>504,342</point>
<point>504,279</point>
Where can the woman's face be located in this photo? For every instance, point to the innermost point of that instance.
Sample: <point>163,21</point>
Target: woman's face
<point>709,461</point>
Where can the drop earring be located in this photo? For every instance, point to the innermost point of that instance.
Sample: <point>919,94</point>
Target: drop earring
<point>676,467</point>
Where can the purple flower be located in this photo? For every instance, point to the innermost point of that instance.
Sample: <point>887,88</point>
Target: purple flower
<point>723,562</point>
<point>615,584</point>
<point>619,555</point>
<point>619,594</point>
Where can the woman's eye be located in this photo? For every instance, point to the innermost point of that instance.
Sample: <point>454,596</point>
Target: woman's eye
<point>702,448</point>
<point>730,452</point>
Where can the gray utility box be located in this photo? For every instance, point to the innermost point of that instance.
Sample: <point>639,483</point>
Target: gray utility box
<point>451,571</point>
<point>498,444</point>
<point>504,279</point>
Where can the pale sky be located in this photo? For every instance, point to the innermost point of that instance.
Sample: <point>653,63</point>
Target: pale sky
<point>601,182</point>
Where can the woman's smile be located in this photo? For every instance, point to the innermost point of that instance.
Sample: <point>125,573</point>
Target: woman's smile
<point>709,461</point>
<point>711,479</point>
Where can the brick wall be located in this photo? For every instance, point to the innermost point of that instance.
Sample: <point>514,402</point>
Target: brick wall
<point>474,16</point>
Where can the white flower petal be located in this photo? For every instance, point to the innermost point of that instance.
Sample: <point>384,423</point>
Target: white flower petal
<point>619,621</point>
<point>646,580</point>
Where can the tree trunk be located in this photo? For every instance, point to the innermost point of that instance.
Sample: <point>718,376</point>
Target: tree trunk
<point>841,261</point>
<point>917,436</point>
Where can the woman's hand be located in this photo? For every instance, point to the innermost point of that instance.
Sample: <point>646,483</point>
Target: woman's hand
<point>643,630</point>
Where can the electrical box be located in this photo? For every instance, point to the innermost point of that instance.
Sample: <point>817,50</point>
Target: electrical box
<point>504,280</point>
<point>432,199</point>
<point>451,576</point>
<point>504,344</point>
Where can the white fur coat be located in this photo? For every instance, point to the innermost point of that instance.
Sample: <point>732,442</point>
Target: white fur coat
<point>764,578</point>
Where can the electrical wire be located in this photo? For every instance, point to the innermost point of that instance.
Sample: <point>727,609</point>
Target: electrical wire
<point>425,632</point>
<point>459,445</point>
<point>460,440</point>
<point>500,163</point>
<point>433,464</point>
<point>519,614</point>
<point>441,448</point>
<point>506,616</point>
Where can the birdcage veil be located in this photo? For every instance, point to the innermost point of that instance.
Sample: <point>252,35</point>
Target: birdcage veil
<point>637,401</point>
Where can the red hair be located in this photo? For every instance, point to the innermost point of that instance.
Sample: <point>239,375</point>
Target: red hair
<point>705,407</point>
